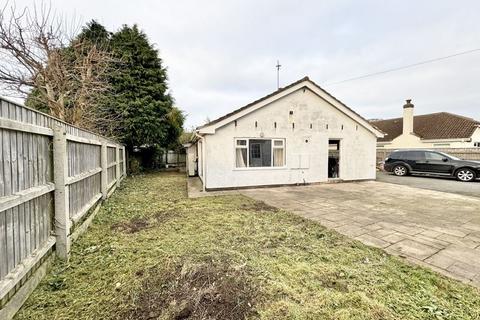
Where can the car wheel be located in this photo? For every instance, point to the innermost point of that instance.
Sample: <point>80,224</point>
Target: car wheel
<point>465,175</point>
<point>400,170</point>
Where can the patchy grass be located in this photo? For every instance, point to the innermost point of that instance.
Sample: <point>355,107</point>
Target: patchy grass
<point>151,253</point>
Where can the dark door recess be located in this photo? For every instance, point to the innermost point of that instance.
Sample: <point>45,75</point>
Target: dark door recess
<point>333,159</point>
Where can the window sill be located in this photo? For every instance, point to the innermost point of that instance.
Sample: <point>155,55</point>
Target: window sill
<point>259,168</point>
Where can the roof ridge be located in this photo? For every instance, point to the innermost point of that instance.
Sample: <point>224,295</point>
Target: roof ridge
<point>366,123</point>
<point>306,78</point>
<point>460,116</point>
<point>428,114</point>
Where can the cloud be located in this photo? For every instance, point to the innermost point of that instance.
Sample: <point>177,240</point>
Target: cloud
<point>222,54</point>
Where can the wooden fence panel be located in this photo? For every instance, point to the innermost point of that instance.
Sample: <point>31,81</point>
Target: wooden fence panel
<point>32,206</point>
<point>84,171</point>
<point>24,165</point>
<point>122,161</point>
<point>111,161</point>
<point>82,157</point>
<point>83,195</point>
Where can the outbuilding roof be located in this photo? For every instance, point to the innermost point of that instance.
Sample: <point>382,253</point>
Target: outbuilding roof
<point>441,125</point>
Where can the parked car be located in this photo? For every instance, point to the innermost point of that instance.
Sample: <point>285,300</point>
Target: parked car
<point>431,162</point>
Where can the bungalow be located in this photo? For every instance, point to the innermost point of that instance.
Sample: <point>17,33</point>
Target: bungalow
<point>434,130</point>
<point>298,134</point>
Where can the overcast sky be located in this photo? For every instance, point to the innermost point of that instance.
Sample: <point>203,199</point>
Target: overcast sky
<point>221,55</point>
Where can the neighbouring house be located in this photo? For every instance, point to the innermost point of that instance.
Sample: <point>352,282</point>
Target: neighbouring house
<point>441,130</point>
<point>298,134</point>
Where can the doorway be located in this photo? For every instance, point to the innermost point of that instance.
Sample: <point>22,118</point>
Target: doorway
<point>333,158</point>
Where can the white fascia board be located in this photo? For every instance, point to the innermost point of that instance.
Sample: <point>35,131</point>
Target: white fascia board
<point>447,140</point>
<point>210,129</point>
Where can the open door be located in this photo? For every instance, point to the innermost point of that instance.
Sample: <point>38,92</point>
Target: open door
<point>333,159</point>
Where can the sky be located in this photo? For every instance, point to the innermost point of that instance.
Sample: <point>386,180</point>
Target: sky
<point>221,55</point>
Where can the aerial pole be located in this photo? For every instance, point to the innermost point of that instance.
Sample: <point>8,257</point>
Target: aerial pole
<point>278,74</point>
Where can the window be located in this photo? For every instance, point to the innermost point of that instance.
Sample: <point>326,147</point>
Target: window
<point>399,155</point>
<point>278,153</point>
<point>434,156</point>
<point>416,155</point>
<point>476,144</point>
<point>259,153</point>
<point>241,154</point>
<point>255,150</point>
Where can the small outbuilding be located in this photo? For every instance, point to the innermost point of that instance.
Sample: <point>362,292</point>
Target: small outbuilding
<point>299,134</point>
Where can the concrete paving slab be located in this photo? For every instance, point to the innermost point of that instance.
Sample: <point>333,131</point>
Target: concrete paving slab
<point>466,242</point>
<point>372,241</point>
<point>462,254</point>
<point>394,237</point>
<point>351,230</point>
<point>464,270</point>
<point>431,228</point>
<point>414,249</point>
<point>441,261</point>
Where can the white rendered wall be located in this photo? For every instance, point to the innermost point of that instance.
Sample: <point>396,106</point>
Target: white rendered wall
<point>200,159</point>
<point>475,136</point>
<point>412,141</point>
<point>357,153</point>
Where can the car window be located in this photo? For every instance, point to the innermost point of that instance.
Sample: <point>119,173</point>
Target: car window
<point>397,155</point>
<point>449,156</point>
<point>416,155</point>
<point>434,156</point>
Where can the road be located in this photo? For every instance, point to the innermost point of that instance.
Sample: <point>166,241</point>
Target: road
<point>433,183</point>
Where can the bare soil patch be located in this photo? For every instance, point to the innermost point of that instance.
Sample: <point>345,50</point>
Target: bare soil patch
<point>132,226</point>
<point>194,291</point>
<point>165,215</point>
<point>259,206</point>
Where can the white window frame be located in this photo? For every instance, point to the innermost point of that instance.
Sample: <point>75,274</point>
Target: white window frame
<point>279,147</point>
<point>247,146</point>
<point>240,146</point>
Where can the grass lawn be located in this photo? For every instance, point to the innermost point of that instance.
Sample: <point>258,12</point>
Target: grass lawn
<point>152,253</point>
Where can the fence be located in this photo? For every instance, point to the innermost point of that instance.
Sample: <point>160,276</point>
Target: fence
<point>462,153</point>
<point>173,159</point>
<point>51,175</point>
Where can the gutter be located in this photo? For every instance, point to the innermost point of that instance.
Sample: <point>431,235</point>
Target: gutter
<point>383,143</point>
<point>448,140</point>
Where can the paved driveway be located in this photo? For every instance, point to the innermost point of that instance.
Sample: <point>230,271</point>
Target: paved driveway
<point>436,229</point>
<point>434,183</point>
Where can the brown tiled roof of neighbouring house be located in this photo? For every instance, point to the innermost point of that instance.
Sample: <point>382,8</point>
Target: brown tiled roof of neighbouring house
<point>441,125</point>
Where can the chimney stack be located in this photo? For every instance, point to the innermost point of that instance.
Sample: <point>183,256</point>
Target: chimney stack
<point>408,117</point>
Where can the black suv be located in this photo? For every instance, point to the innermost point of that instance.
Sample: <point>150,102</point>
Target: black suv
<point>404,162</point>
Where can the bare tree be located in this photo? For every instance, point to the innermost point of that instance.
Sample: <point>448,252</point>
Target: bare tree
<point>40,60</point>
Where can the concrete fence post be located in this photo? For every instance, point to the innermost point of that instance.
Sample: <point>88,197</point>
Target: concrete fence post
<point>124,162</point>
<point>104,165</point>
<point>60,175</point>
<point>117,166</point>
